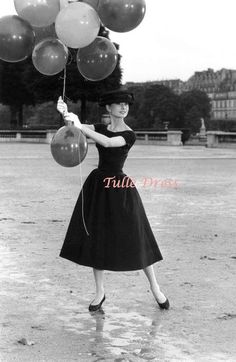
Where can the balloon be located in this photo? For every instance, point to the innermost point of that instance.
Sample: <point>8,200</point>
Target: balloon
<point>77,25</point>
<point>38,12</point>
<point>16,39</point>
<point>50,56</point>
<point>98,60</point>
<point>69,146</point>
<point>121,15</point>
<point>44,33</point>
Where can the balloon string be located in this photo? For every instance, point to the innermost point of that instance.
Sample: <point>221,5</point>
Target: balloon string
<point>64,85</point>
<point>82,190</point>
<point>80,167</point>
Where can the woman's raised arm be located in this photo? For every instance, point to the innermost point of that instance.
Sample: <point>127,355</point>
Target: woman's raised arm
<point>89,131</point>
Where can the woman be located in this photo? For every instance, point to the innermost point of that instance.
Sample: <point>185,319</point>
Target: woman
<point>117,235</point>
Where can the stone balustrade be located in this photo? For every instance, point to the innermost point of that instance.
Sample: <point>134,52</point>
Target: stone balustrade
<point>166,138</point>
<point>221,139</point>
<point>171,138</point>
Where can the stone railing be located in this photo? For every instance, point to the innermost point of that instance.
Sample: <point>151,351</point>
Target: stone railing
<point>221,139</point>
<point>25,136</point>
<point>168,138</point>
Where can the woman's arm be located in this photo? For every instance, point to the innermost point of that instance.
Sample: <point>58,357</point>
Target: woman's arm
<point>102,139</point>
<point>89,126</point>
<point>88,131</point>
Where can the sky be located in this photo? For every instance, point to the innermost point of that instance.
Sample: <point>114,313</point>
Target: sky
<point>175,39</point>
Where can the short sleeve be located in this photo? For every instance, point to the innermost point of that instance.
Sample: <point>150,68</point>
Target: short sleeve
<point>99,127</point>
<point>129,137</point>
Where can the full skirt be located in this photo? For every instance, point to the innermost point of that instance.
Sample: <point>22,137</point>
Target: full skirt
<point>119,236</point>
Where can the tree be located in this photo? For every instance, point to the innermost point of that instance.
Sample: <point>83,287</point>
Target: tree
<point>133,118</point>
<point>194,105</point>
<point>160,105</point>
<point>13,90</point>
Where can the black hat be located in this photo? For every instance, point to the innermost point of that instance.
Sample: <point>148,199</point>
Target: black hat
<point>116,96</point>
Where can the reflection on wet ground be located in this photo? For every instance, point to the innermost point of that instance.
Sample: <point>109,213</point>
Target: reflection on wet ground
<point>131,329</point>
<point>113,335</point>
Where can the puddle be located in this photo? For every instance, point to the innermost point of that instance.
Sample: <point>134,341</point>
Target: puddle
<point>128,334</point>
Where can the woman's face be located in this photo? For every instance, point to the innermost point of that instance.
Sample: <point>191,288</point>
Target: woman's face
<point>118,110</point>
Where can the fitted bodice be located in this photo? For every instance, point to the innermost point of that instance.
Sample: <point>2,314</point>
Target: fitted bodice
<point>113,158</point>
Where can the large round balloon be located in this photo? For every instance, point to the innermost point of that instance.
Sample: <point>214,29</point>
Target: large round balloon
<point>98,60</point>
<point>16,38</point>
<point>50,56</point>
<point>38,12</point>
<point>69,146</point>
<point>121,15</point>
<point>44,33</point>
<point>77,25</point>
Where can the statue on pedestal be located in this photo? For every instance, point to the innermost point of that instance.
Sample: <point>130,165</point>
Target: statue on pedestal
<point>202,133</point>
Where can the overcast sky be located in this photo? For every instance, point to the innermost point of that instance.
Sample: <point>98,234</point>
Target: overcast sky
<point>175,39</point>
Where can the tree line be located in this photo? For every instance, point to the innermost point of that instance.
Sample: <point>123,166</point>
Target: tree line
<point>156,106</point>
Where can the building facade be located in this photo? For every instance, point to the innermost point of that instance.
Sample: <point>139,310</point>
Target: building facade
<point>220,87</point>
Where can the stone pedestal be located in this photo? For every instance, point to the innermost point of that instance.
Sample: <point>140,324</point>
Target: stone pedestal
<point>174,138</point>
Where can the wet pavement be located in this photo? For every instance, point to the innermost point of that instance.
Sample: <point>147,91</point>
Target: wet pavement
<point>189,194</point>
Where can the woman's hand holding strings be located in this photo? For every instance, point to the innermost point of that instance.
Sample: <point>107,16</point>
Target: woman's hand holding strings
<point>68,116</point>
<point>71,117</point>
<point>62,107</point>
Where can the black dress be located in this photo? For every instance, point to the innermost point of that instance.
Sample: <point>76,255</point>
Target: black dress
<point>120,237</point>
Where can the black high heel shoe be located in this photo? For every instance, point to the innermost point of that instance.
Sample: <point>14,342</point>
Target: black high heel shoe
<point>165,305</point>
<point>94,308</point>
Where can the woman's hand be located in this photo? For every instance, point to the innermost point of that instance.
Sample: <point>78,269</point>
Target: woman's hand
<point>62,107</point>
<point>71,117</point>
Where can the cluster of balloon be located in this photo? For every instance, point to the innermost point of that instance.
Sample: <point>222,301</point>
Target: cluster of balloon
<point>69,146</point>
<point>98,60</point>
<point>121,15</point>
<point>75,23</point>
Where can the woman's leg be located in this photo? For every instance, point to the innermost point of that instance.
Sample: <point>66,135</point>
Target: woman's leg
<point>158,295</point>
<point>98,277</point>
